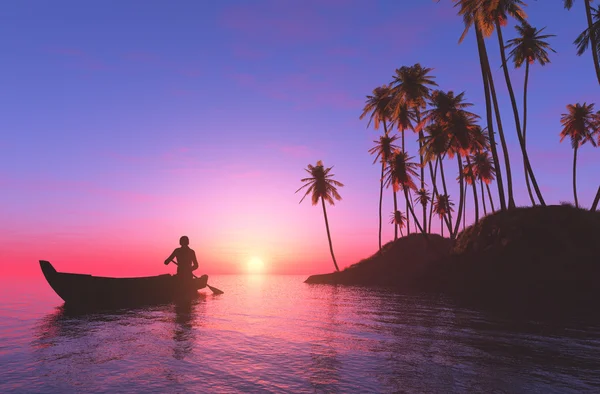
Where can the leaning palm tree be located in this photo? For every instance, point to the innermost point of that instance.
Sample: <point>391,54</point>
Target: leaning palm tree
<point>398,219</point>
<point>495,15</point>
<point>321,186</point>
<point>579,124</point>
<point>383,151</point>
<point>591,35</point>
<point>399,175</point>
<point>528,48</point>
<point>411,87</point>
<point>475,14</point>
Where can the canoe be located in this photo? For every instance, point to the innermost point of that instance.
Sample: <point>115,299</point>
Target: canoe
<point>97,291</point>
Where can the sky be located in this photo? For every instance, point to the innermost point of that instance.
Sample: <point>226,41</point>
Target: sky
<point>126,124</point>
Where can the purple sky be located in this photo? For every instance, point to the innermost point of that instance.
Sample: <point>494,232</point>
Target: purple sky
<point>127,124</point>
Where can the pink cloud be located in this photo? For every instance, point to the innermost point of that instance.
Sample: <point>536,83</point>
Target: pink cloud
<point>298,151</point>
<point>278,21</point>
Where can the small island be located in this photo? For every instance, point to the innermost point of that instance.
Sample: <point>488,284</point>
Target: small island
<point>520,254</point>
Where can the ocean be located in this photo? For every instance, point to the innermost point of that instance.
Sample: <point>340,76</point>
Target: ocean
<point>277,334</point>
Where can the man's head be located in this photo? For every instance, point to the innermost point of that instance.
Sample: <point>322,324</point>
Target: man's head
<point>184,241</point>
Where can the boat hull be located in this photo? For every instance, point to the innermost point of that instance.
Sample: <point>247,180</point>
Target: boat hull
<point>96,291</point>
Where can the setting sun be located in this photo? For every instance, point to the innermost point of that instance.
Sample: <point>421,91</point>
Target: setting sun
<point>255,265</point>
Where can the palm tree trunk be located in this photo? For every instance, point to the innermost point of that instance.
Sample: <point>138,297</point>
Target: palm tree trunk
<point>526,162</point>
<point>433,175</point>
<point>442,226</point>
<point>525,128</point>
<point>421,137</point>
<point>395,209</point>
<point>490,196</point>
<point>588,14</point>
<point>464,218</point>
<point>329,235</point>
<point>407,216</point>
<point>449,222</point>
<point>595,203</point>
<point>575,175</point>
<point>483,198</point>
<point>381,200</point>
<point>475,201</point>
<point>461,198</point>
<point>490,120</point>
<point>413,214</point>
<point>509,183</point>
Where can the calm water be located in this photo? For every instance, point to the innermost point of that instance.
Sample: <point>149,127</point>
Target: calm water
<point>277,334</point>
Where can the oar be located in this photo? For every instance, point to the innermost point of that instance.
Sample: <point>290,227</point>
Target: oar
<point>213,289</point>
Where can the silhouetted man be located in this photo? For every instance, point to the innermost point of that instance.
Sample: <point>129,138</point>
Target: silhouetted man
<point>186,259</point>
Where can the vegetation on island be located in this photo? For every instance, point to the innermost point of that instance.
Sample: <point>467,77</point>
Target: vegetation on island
<point>447,130</point>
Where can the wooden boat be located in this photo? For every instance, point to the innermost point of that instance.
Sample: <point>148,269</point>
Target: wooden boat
<point>97,291</point>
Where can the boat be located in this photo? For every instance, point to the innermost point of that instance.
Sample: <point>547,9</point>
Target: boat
<point>97,291</point>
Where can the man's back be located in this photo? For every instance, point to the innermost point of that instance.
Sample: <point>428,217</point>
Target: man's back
<point>186,260</point>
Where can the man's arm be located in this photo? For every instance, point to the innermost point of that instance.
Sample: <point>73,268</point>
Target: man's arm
<point>171,257</point>
<point>194,261</point>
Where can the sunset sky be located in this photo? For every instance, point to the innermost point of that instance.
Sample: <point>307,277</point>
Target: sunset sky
<point>128,124</point>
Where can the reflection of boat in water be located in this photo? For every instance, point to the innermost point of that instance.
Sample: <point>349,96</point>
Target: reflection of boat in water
<point>96,291</point>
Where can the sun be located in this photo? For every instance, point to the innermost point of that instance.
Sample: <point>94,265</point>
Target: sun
<point>255,265</point>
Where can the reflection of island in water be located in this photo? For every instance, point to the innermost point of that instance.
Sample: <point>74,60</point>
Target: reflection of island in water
<point>79,347</point>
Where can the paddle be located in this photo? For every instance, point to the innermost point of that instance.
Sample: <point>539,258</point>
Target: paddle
<point>213,289</point>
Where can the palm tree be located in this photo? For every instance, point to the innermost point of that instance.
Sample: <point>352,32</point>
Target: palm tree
<point>471,13</point>
<point>398,219</point>
<point>379,108</point>
<point>383,150</point>
<point>471,180</point>
<point>591,35</point>
<point>321,186</point>
<point>411,87</point>
<point>466,137</point>
<point>400,174</point>
<point>423,198</point>
<point>443,208</point>
<point>579,124</point>
<point>484,172</point>
<point>529,48</point>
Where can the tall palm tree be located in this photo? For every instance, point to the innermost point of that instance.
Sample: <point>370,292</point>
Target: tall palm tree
<point>322,187</point>
<point>383,151</point>
<point>466,137</point>
<point>471,180</point>
<point>400,173</point>
<point>398,219</point>
<point>434,147</point>
<point>411,87</point>
<point>378,107</point>
<point>579,124</point>
<point>443,208</point>
<point>423,198</point>
<point>497,12</point>
<point>591,35</point>
<point>484,172</point>
<point>475,13</point>
<point>528,48</point>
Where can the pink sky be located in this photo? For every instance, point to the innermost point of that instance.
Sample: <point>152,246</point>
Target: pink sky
<point>198,119</point>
